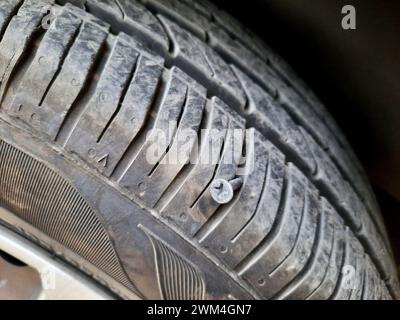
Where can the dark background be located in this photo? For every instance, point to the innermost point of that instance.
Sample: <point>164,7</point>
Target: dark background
<point>356,74</point>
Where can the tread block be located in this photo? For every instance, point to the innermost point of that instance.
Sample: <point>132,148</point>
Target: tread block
<point>382,257</point>
<point>344,286</point>
<point>329,282</point>
<point>220,239</point>
<point>132,17</point>
<point>267,77</point>
<point>7,11</point>
<point>239,55</point>
<point>227,168</point>
<point>104,103</point>
<point>18,36</point>
<point>328,174</point>
<point>293,80</point>
<point>267,114</point>
<point>298,258</point>
<point>180,150</point>
<point>200,7</point>
<point>178,209</point>
<point>256,269</point>
<point>124,97</point>
<point>194,54</point>
<point>357,277</point>
<point>182,13</point>
<point>172,105</point>
<point>372,281</point>
<point>71,80</point>
<point>259,226</point>
<point>85,16</point>
<point>49,57</point>
<point>314,275</point>
<point>111,6</point>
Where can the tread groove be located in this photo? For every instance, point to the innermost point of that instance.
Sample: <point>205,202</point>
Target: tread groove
<point>135,146</point>
<point>121,99</point>
<point>252,256</point>
<point>298,233</point>
<point>9,15</point>
<point>175,133</point>
<point>303,273</point>
<point>60,65</point>
<point>74,113</point>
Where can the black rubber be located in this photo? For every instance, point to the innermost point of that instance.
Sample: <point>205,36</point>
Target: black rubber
<point>82,84</point>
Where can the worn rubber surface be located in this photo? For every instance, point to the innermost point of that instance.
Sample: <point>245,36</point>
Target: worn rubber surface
<point>80,89</point>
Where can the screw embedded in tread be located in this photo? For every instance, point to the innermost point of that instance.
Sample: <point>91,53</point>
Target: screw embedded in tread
<point>222,190</point>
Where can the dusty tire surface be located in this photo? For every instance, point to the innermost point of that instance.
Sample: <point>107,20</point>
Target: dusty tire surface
<point>85,83</point>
